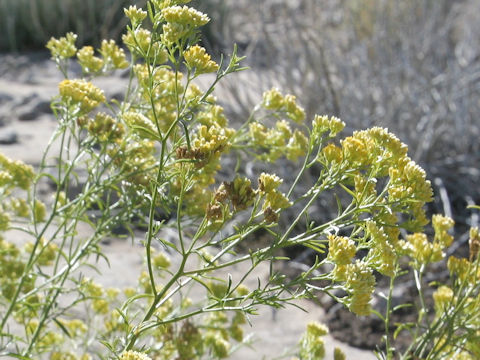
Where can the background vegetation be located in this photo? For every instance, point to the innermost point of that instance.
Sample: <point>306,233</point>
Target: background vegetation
<point>412,66</point>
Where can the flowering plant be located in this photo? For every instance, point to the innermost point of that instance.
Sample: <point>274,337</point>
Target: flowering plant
<point>152,161</point>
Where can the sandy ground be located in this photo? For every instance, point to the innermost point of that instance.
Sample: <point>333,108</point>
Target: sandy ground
<point>27,85</point>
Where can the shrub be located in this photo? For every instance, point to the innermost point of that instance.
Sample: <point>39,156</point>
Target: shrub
<point>152,162</point>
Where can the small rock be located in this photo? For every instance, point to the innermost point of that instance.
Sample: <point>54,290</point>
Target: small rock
<point>5,98</point>
<point>33,112</point>
<point>8,136</point>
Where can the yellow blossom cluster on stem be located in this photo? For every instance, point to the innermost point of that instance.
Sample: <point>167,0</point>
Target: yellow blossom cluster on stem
<point>64,47</point>
<point>140,43</point>
<point>423,251</point>
<point>278,141</point>
<point>360,284</point>
<point>312,345</point>
<point>322,124</point>
<point>81,92</point>
<point>135,15</point>
<point>275,101</point>
<point>196,58</point>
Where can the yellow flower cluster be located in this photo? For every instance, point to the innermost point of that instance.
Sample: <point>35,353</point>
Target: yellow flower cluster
<point>135,15</point>
<point>104,127</point>
<point>474,243</point>
<point>211,141</point>
<point>11,267</point>
<point>443,298</point>
<point>360,284</point>
<point>89,62</point>
<point>134,355</point>
<point>140,42</point>
<point>382,255</point>
<point>161,89</point>
<point>136,159</point>
<point>274,199</point>
<point>375,146</point>
<point>268,183</point>
<point>196,57</point>
<point>81,92</point>
<point>113,56</point>
<point>19,207</point>
<point>47,251</point>
<point>338,354</point>
<point>64,47</point>
<point>441,225</point>
<point>322,124</point>
<point>140,125</point>
<point>312,345</point>
<point>185,16</point>
<point>161,261</point>
<point>15,173</point>
<point>408,181</point>
<point>275,101</point>
<point>212,115</point>
<point>372,154</point>
<point>182,21</point>
<point>161,4</point>
<point>419,248</point>
<point>341,250</point>
<point>464,269</point>
<point>279,141</point>
<point>99,303</point>
<point>332,154</point>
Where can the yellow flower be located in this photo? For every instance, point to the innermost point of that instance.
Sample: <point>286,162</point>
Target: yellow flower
<point>276,201</point>
<point>338,354</point>
<point>140,125</point>
<point>268,183</point>
<point>64,47</point>
<point>423,251</point>
<point>297,146</point>
<point>161,261</point>
<point>134,355</point>
<point>105,128</point>
<point>113,55</point>
<point>39,211</point>
<point>273,99</point>
<point>459,267</point>
<point>443,298</point>
<point>15,173</point>
<point>341,250</point>
<point>258,133</point>
<point>312,345</point>
<point>441,224</point>
<point>332,154</point>
<point>185,16</point>
<point>294,111</point>
<point>196,57</point>
<point>355,151</point>
<point>360,284</point>
<point>322,124</point>
<point>88,62</point>
<point>135,15</point>
<point>139,41</point>
<point>82,92</point>
<point>382,252</point>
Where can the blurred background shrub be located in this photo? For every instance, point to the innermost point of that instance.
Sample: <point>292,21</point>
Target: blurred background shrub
<point>29,24</point>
